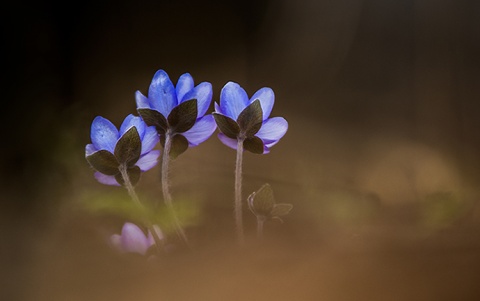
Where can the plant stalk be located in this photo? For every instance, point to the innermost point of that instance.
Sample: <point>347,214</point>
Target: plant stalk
<point>136,200</point>
<point>260,222</point>
<point>238,192</point>
<point>167,197</point>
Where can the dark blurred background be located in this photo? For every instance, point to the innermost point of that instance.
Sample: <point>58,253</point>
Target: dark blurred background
<point>381,160</point>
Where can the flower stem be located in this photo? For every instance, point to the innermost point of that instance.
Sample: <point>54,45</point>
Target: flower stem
<point>260,222</point>
<point>136,200</point>
<point>166,189</point>
<point>238,192</point>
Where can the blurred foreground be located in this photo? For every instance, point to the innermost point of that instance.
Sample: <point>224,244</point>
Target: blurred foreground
<point>401,227</point>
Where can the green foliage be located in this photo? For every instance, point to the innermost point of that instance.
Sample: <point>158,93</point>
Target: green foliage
<point>120,205</point>
<point>114,203</point>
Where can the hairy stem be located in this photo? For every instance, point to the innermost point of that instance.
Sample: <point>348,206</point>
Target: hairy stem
<point>260,222</point>
<point>136,200</point>
<point>167,197</point>
<point>238,193</point>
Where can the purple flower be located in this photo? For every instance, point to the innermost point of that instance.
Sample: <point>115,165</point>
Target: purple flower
<point>130,147</point>
<point>178,111</point>
<point>133,239</point>
<point>240,117</point>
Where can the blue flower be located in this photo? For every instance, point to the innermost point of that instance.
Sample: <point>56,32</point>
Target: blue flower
<point>133,239</point>
<point>178,111</point>
<point>131,147</point>
<point>240,117</point>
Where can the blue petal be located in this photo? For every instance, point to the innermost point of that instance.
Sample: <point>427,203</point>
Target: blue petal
<point>266,149</point>
<point>218,109</point>
<point>162,94</point>
<point>203,94</point>
<point>233,99</point>
<point>89,149</point>
<point>272,130</point>
<point>134,240</point>
<point>150,139</point>
<point>269,145</point>
<point>148,160</point>
<point>104,179</point>
<point>135,121</point>
<point>267,98</point>
<point>142,101</point>
<point>104,134</point>
<point>184,84</point>
<point>232,143</point>
<point>201,131</point>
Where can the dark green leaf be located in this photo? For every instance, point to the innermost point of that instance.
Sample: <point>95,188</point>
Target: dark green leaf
<point>104,162</point>
<point>263,201</point>
<point>250,119</point>
<point>134,174</point>
<point>254,145</point>
<point>154,118</point>
<point>129,147</point>
<point>281,210</point>
<point>183,116</point>
<point>227,125</point>
<point>179,146</point>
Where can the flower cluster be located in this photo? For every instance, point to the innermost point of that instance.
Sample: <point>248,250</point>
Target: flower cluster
<point>176,117</point>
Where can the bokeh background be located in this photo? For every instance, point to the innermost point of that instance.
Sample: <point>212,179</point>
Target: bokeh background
<point>381,160</point>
